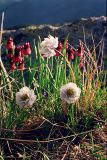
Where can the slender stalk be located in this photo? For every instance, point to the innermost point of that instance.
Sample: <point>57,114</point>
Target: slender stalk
<point>2,68</point>
<point>64,108</point>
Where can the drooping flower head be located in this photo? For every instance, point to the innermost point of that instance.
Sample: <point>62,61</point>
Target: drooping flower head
<point>10,54</point>
<point>70,93</point>
<point>21,66</point>
<point>12,66</point>
<point>26,49</point>
<point>18,55</point>
<point>58,49</point>
<point>25,97</point>
<point>10,44</point>
<point>80,50</point>
<point>48,46</point>
<point>70,52</point>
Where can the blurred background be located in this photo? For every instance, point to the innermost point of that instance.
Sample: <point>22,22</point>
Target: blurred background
<point>29,12</point>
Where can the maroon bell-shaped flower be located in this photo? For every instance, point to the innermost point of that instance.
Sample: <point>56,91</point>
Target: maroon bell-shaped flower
<point>80,50</point>
<point>21,66</point>
<point>18,55</point>
<point>58,49</point>
<point>27,49</point>
<point>70,52</point>
<point>12,66</point>
<point>10,44</point>
<point>10,54</point>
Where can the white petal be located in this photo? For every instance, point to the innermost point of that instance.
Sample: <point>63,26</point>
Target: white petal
<point>73,98</point>
<point>28,101</point>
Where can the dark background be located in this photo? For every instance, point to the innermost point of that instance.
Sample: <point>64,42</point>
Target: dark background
<point>28,12</point>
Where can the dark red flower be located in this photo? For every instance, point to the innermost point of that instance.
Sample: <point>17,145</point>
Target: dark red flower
<point>17,59</point>
<point>21,49</point>
<point>80,50</point>
<point>57,53</point>
<point>58,49</point>
<point>18,51</point>
<point>10,44</point>
<point>10,56</point>
<point>27,49</point>
<point>71,56</point>
<point>18,55</point>
<point>12,66</point>
<point>70,52</point>
<point>21,66</point>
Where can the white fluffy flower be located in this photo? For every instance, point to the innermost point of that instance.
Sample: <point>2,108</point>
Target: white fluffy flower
<point>70,93</point>
<point>25,97</point>
<point>48,46</point>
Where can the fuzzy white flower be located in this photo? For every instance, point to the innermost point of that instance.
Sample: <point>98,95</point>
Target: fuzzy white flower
<point>25,97</point>
<point>48,46</point>
<point>70,93</point>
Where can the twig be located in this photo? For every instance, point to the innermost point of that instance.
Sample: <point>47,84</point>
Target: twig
<point>46,141</point>
<point>64,156</point>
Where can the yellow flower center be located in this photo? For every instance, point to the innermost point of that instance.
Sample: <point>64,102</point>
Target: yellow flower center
<point>24,97</point>
<point>70,92</point>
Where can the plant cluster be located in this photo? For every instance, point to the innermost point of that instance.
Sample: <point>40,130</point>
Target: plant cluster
<point>60,83</point>
<point>16,54</point>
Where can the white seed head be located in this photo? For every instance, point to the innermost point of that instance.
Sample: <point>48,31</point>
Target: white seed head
<point>70,93</point>
<point>25,97</point>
